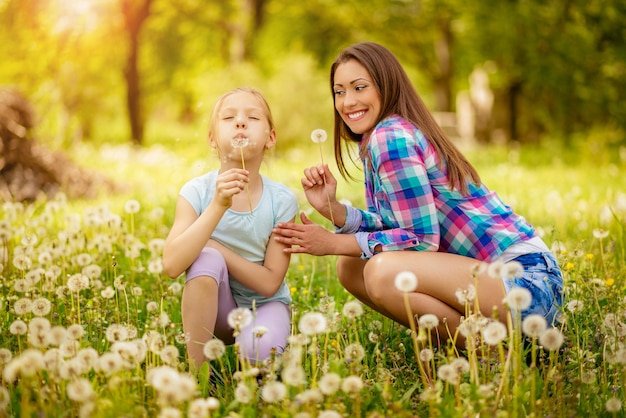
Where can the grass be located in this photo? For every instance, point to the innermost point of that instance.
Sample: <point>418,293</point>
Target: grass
<point>91,326</point>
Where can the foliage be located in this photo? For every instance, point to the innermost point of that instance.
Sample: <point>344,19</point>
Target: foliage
<point>110,341</point>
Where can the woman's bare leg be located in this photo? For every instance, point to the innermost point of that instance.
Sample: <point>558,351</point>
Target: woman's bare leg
<point>439,275</point>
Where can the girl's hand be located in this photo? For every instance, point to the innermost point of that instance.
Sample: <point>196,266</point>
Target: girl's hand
<point>320,186</point>
<point>308,237</point>
<point>228,184</point>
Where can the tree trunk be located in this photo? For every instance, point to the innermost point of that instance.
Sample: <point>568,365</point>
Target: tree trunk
<point>443,81</point>
<point>134,17</point>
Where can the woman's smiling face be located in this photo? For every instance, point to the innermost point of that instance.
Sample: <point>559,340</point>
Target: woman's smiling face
<point>356,97</point>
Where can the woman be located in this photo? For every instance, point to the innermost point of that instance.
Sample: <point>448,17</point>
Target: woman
<point>427,210</point>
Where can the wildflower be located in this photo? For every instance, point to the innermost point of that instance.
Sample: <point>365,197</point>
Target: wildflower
<point>312,323</point>
<point>512,269</point>
<point>494,270</point>
<point>329,383</point>
<point>293,375</point>
<point>610,320</point>
<point>373,337</point>
<point>56,335</point>
<point>465,296</point>
<point>406,281</point>
<point>243,394</point>
<point>93,271</point>
<point>78,282</point>
<point>426,354</point>
<point>175,288</point>
<point>132,206</point>
<point>259,331</point>
<point>551,339</point>
<point>41,307</point>
<point>88,356</point>
<point>609,282</point>
<point>613,404</point>
<point>448,374</point>
<point>534,325</point>
<point>31,362</point>
<point>239,318</point>
<point>600,233</point>
<point>82,259</point>
<point>274,392</point>
<point>22,262</point>
<point>575,306</point>
<point>310,396</point>
<point>494,333</point>
<point>318,136</point>
<point>23,306</point>
<point>170,412</point>
<point>155,266</point>
<point>461,365</point>
<point>107,292</point>
<point>352,384</point>
<point>5,398</point>
<point>116,332</point>
<point>354,353</point>
<point>39,325</point>
<point>329,413</point>
<point>352,310</point>
<point>18,327</point>
<point>5,356</point>
<point>518,298</point>
<point>152,306</point>
<point>80,390</point>
<point>214,349</point>
<point>428,321</point>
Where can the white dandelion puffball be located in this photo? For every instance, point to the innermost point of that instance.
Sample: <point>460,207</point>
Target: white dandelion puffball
<point>551,339</point>
<point>312,323</point>
<point>494,333</point>
<point>239,318</point>
<point>519,298</point>
<point>214,349</point>
<point>406,281</point>
<point>318,136</point>
<point>534,325</point>
<point>239,142</point>
<point>428,321</point>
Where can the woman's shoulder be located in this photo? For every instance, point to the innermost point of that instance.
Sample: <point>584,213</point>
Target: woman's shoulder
<point>396,127</point>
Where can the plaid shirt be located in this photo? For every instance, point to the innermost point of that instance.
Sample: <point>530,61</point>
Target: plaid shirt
<point>410,207</point>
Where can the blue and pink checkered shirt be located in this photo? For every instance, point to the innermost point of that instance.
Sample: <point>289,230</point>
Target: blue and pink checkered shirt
<point>410,205</point>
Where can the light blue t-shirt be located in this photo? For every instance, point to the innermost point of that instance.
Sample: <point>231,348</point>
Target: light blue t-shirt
<point>245,233</point>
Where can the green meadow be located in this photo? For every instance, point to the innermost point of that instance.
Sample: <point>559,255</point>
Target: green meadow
<point>91,326</point>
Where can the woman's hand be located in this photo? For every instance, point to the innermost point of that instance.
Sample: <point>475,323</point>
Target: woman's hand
<point>308,237</point>
<point>228,184</point>
<point>320,188</point>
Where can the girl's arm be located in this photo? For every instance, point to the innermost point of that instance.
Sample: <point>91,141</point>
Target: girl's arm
<point>190,232</point>
<point>264,279</point>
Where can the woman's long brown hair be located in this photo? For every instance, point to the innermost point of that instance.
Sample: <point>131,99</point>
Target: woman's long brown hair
<point>398,96</point>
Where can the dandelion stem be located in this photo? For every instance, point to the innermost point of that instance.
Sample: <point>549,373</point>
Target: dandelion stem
<point>243,165</point>
<point>330,209</point>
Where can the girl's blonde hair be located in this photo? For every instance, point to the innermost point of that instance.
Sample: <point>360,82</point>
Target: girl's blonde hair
<point>220,101</point>
<point>398,96</point>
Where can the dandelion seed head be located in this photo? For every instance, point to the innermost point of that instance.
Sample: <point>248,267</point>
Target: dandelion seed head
<point>243,394</point>
<point>428,321</point>
<point>518,298</point>
<point>448,373</point>
<point>512,269</point>
<point>329,413</point>
<point>107,292</point>
<point>551,339</point>
<point>273,392</point>
<point>426,355</point>
<point>214,349</point>
<point>352,384</point>
<point>600,233</point>
<point>41,307</point>
<point>132,206</point>
<point>352,309</point>
<point>354,352</point>
<point>239,318</point>
<point>330,383</point>
<point>613,404</point>
<point>534,325</point>
<point>494,333</point>
<point>293,375</point>
<point>310,396</point>
<point>23,306</point>
<point>312,323</point>
<point>318,136</point>
<point>575,306</point>
<point>80,390</point>
<point>406,281</point>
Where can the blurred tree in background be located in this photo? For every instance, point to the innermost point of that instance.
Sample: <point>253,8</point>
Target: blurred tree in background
<point>105,69</point>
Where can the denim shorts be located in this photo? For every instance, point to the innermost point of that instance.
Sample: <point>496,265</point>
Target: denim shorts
<point>542,277</point>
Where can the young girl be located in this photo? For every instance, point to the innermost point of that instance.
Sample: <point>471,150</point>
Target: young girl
<point>427,210</point>
<point>221,236</point>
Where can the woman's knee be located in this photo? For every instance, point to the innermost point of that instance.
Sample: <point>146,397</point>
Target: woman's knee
<point>349,271</point>
<point>376,278</point>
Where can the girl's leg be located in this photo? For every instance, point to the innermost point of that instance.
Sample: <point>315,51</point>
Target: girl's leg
<point>268,331</point>
<point>439,276</point>
<point>206,289</point>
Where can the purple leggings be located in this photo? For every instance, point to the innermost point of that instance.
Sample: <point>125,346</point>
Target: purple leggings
<point>274,316</point>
